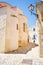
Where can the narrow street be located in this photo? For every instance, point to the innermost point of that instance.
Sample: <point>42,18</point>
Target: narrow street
<point>23,49</point>
<point>16,59</point>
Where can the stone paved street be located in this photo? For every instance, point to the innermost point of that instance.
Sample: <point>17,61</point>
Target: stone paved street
<point>24,49</point>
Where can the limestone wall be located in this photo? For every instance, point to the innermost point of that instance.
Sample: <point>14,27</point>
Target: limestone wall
<point>40,27</point>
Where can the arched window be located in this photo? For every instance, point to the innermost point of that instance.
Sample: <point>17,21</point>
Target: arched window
<point>34,36</point>
<point>33,29</point>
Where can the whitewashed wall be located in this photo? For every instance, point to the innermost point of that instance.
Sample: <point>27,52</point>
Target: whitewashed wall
<point>2,32</point>
<point>31,33</point>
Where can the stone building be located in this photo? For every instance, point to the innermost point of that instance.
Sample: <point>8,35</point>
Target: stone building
<point>13,28</point>
<point>39,11</point>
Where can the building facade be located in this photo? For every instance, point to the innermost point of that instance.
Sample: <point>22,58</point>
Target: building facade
<point>13,28</point>
<point>39,11</point>
<point>33,36</point>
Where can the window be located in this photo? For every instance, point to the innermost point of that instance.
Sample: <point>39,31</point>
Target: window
<point>28,39</point>
<point>24,27</point>
<point>17,26</point>
<point>34,41</point>
<point>13,15</point>
<point>20,14</point>
<point>34,37</point>
<point>33,29</point>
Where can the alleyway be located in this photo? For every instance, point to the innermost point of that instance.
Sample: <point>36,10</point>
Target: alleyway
<point>33,54</point>
<point>16,59</point>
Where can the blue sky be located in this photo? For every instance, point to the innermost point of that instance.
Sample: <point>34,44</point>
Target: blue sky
<point>23,4</point>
